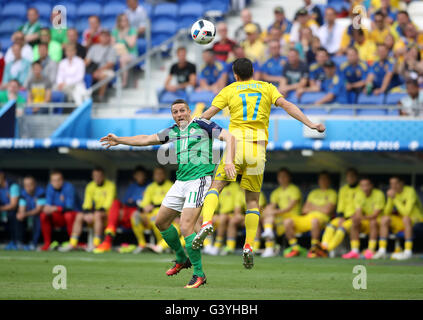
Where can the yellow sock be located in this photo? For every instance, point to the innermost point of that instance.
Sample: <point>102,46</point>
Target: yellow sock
<point>182,239</point>
<point>257,244</point>
<point>269,244</point>
<point>162,243</point>
<point>314,242</point>
<point>355,245</point>
<point>231,244</point>
<point>219,241</point>
<point>383,243</point>
<point>328,235</point>
<point>96,241</point>
<point>408,245</point>
<point>252,217</point>
<point>138,230</point>
<point>337,239</point>
<point>372,245</point>
<point>73,241</point>
<point>207,242</point>
<point>210,204</point>
<point>268,226</point>
<point>294,244</point>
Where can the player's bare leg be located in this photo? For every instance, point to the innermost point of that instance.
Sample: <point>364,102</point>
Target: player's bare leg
<point>76,232</point>
<point>209,207</point>
<point>355,241</point>
<point>408,244</point>
<point>252,217</point>
<point>373,226</point>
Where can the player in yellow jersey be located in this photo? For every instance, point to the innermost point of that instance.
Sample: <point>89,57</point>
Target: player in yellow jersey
<point>227,205</point>
<point>98,198</point>
<point>316,212</point>
<point>402,210</point>
<point>249,102</point>
<point>285,202</point>
<point>149,207</point>
<point>338,227</point>
<point>369,203</point>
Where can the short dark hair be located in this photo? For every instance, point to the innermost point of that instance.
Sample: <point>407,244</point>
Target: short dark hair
<point>413,82</point>
<point>243,68</point>
<point>323,49</point>
<point>324,173</point>
<point>380,13</point>
<point>98,168</point>
<point>139,169</point>
<point>56,171</point>
<point>210,50</point>
<point>181,48</point>
<point>286,170</point>
<point>403,12</point>
<point>353,170</point>
<point>399,178</point>
<point>366,177</point>
<point>37,62</point>
<point>43,44</point>
<point>178,101</point>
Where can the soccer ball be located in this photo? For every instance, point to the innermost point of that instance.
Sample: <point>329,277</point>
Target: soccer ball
<point>203,31</point>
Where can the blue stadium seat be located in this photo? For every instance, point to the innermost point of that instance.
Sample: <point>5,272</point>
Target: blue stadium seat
<point>163,28</point>
<point>148,7</point>
<point>191,9</point>
<point>44,23</point>
<point>339,60</point>
<point>5,43</point>
<point>81,25</point>
<point>144,110</point>
<point>371,112</point>
<point>43,7</point>
<point>88,9</point>
<point>57,96</point>
<point>201,96</point>
<point>113,9</point>
<point>218,5</point>
<point>165,10</point>
<point>169,97</point>
<point>315,111</point>
<point>8,26</point>
<point>109,23</point>
<point>142,46</point>
<point>311,97</point>
<point>292,97</point>
<point>393,112</point>
<point>370,99</point>
<point>341,112</point>
<point>14,10</point>
<point>394,98</point>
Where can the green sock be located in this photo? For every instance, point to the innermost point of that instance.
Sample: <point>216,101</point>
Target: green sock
<point>171,237</point>
<point>194,256</point>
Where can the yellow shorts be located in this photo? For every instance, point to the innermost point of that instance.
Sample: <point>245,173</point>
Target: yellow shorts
<point>396,224</point>
<point>250,159</point>
<point>280,228</point>
<point>303,223</point>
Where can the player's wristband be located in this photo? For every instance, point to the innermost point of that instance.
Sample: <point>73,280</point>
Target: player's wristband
<point>339,214</point>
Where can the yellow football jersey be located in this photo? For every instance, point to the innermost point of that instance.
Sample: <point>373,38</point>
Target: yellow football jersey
<point>406,203</point>
<point>346,200</point>
<point>227,198</point>
<point>320,197</point>
<point>155,193</point>
<point>99,197</point>
<point>375,201</point>
<point>283,197</point>
<point>249,104</point>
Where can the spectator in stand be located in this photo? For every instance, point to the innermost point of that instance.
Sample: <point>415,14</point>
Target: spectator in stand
<point>9,200</point>
<point>387,10</point>
<point>330,33</point>
<point>390,42</point>
<point>49,66</point>
<point>31,28</point>
<point>38,87</point>
<point>92,34</point>
<point>398,27</point>
<point>60,209</point>
<point>412,104</point>
<point>137,16</point>
<point>246,18</point>
<point>271,70</point>
<point>224,46</point>
<point>70,76</point>
<point>303,46</point>
<point>31,203</point>
<point>412,37</point>
<point>100,61</point>
<point>124,40</point>
<point>302,20</point>
<point>312,50</point>
<point>295,74</point>
<point>411,67</point>
<point>210,72</point>
<point>281,22</point>
<point>274,34</point>
<point>381,73</point>
<point>55,51</point>
<point>332,85</point>
<point>347,37</point>
<point>253,46</point>
<point>12,93</point>
<point>26,51</point>
<point>313,11</point>
<point>182,75</point>
<point>18,68</point>
<point>354,73</point>
<point>366,48</point>
<point>58,32</point>
<point>72,38</point>
<point>380,28</point>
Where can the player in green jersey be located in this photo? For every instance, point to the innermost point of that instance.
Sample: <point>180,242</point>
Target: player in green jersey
<point>193,141</point>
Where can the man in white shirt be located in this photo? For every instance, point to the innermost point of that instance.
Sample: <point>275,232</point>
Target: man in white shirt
<point>70,76</point>
<point>330,33</point>
<point>412,104</point>
<point>26,51</point>
<point>137,16</point>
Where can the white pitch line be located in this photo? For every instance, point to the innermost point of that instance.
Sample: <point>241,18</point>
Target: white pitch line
<point>2,257</point>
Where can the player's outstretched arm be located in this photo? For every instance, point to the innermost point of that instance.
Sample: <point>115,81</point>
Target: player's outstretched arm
<point>112,140</point>
<point>210,112</point>
<point>296,113</point>
<point>226,136</point>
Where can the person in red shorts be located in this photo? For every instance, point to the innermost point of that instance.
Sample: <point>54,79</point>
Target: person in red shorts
<point>121,211</point>
<point>60,208</point>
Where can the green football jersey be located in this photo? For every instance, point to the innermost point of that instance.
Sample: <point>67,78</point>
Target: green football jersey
<point>193,147</point>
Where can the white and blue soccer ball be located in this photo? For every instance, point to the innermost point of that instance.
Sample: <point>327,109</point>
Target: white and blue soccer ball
<point>203,31</point>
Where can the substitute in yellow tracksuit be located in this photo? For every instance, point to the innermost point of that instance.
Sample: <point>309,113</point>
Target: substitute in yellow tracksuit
<point>98,198</point>
<point>149,207</point>
<point>317,210</point>
<point>336,229</point>
<point>403,209</point>
<point>285,202</point>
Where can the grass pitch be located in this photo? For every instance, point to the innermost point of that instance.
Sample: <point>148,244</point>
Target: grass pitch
<point>28,275</point>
